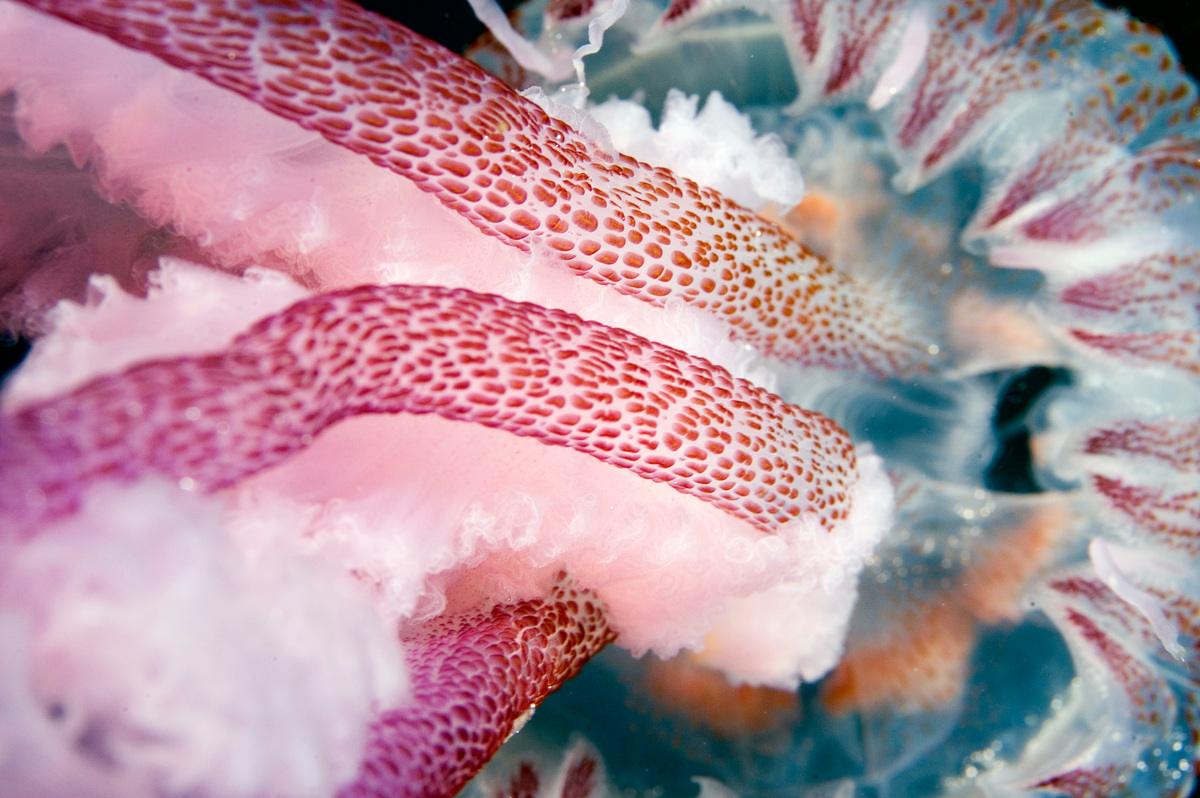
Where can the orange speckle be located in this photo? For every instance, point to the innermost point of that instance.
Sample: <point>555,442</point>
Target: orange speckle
<point>921,664</point>
<point>993,585</point>
<point>707,699</point>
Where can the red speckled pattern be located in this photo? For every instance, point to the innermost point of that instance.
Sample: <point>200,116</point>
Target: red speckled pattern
<point>1121,156</point>
<point>523,783</point>
<point>473,677</point>
<point>850,33</point>
<point>1155,486</point>
<point>1174,443</point>
<point>1191,709</point>
<point>411,106</point>
<point>808,26</point>
<point>1177,350</point>
<point>837,44</point>
<point>567,10</point>
<point>579,775</point>
<point>861,29</point>
<point>1132,191</point>
<point>1088,594</point>
<point>1082,186</point>
<point>547,374</point>
<point>1087,783</point>
<point>1183,612</point>
<point>981,54</point>
<point>1168,517</point>
<point>1102,632</point>
<point>581,778</point>
<point>1162,289</point>
<point>679,10</point>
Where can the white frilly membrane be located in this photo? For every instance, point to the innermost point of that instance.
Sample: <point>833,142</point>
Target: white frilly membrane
<point>794,631</point>
<point>144,652</point>
<point>194,310</point>
<point>715,146</point>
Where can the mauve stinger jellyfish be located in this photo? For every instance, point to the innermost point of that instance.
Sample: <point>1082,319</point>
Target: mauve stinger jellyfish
<point>809,389</point>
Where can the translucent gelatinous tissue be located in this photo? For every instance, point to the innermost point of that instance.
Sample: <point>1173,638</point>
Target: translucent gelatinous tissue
<point>370,399</point>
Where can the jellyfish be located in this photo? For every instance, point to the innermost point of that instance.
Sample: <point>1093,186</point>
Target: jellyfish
<point>371,399</point>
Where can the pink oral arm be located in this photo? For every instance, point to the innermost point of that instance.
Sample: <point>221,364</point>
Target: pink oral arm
<point>499,160</point>
<point>212,420</point>
<point>515,655</point>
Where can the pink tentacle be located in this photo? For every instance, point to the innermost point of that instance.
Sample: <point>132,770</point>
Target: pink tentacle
<point>837,48</point>
<point>513,655</point>
<point>1160,290</point>
<point>214,419</point>
<point>409,105</point>
<point>1102,637</point>
<point>1174,443</point>
<point>1175,349</point>
<point>211,420</point>
<point>1144,473</point>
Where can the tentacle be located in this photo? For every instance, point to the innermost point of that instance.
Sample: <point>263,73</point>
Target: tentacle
<point>838,49</point>
<point>208,422</point>
<point>1161,291</point>
<point>284,682</point>
<point>1106,174</point>
<point>212,420</point>
<point>1085,752</point>
<point>1144,473</point>
<point>576,772</point>
<point>377,88</point>
<point>514,655</point>
<point>1005,62</point>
